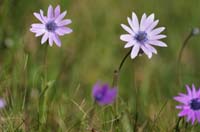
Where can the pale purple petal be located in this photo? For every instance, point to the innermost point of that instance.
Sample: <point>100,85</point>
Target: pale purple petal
<point>156,31</point>
<point>37,25</point>
<point>57,11</point>
<point>146,51</point>
<point>63,30</point>
<point>42,16</point>
<point>39,33</point>
<point>149,21</point>
<point>39,17</point>
<point>153,25</point>
<point>129,44</point>
<point>135,51</point>
<point>151,48</point>
<point>142,23</point>
<point>56,40</point>
<point>157,43</point>
<point>126,37</point>
<point>51,39</point>
<point>45,37</point>
<point>64,22</point>
<point>60,17</point>
<point>50,12</point>
<point>158,37</point>
<point>132,25</point>
<point>126,28</point>
<point>135,22</point>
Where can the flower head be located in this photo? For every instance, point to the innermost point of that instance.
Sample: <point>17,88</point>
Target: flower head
<point>2,103</point>
<point>190,104</point>
<point>103,94</point>
<point>52,26</point>
<point>142,36</point>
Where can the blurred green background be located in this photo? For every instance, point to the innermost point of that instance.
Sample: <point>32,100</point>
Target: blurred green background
<point>90,54</point>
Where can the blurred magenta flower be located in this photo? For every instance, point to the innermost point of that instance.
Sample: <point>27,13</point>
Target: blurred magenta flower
<point>190,106</point>
<point>103,94</point>
<point>141,36</point>
<point>51,26</point>
<point>2,103</point>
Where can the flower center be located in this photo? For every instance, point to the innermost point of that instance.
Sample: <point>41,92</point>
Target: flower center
<point>51,26</point>
<point>141,37</point>
<point>195,104</point>
<point>99,96</point>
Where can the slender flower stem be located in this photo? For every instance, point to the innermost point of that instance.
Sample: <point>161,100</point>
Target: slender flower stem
<point>193,32</point>
<point>116,72</point>
<point>177,125</point>
<point>116,77</point>
<point>43,99</point>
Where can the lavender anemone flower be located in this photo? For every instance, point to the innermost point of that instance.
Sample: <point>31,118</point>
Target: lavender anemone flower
<point>2,103</point>
<point>190,104</point>
<point>142,36</point>
<point>51,26</point>
<point>103,94</point>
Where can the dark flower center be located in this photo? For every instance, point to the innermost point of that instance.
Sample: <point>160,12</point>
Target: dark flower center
<point>195,104</point>
<point>141,37</point>
<point>51,26</point>
<point>99,96</point>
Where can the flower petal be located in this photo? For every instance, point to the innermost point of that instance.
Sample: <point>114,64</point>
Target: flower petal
<point>38,16</point>
<point>126,37</point>
<point>57,11</point>
<point>149,21</point>
<point>64,22</point>
<point>135,22</point>
<point>60,17</point>
<point>157,37</point>
<point>156,31</point>
<point>63,30</point>
<point>151,26</point>
<point>135,51</point>
<point>142,23</point>
<point>147,51</point>
<point>151,48</point>
<point>157,43</point>
<point>126,28</point>
<point>45,37</point>
<point>50,12</point>
<point>38,25</point>
<point>56,40</point>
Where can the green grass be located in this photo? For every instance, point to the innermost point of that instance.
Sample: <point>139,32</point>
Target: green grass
<point>61,101</point>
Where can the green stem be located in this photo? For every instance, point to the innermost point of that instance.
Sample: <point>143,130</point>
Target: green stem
<point>193,32</point>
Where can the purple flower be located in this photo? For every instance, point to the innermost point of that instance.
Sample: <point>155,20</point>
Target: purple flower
<point>52,26</point>
<point>2,103</point>
<point>190,104</point>
<point>142,36</point>
<point>103,94</point>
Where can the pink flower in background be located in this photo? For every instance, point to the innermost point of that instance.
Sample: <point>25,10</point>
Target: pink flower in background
<point>52,26</point>
<point>190,104</point>
<point>103,94</point>
<point>142,36</point>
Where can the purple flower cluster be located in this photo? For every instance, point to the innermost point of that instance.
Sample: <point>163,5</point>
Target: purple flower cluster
<point>190,104</point>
